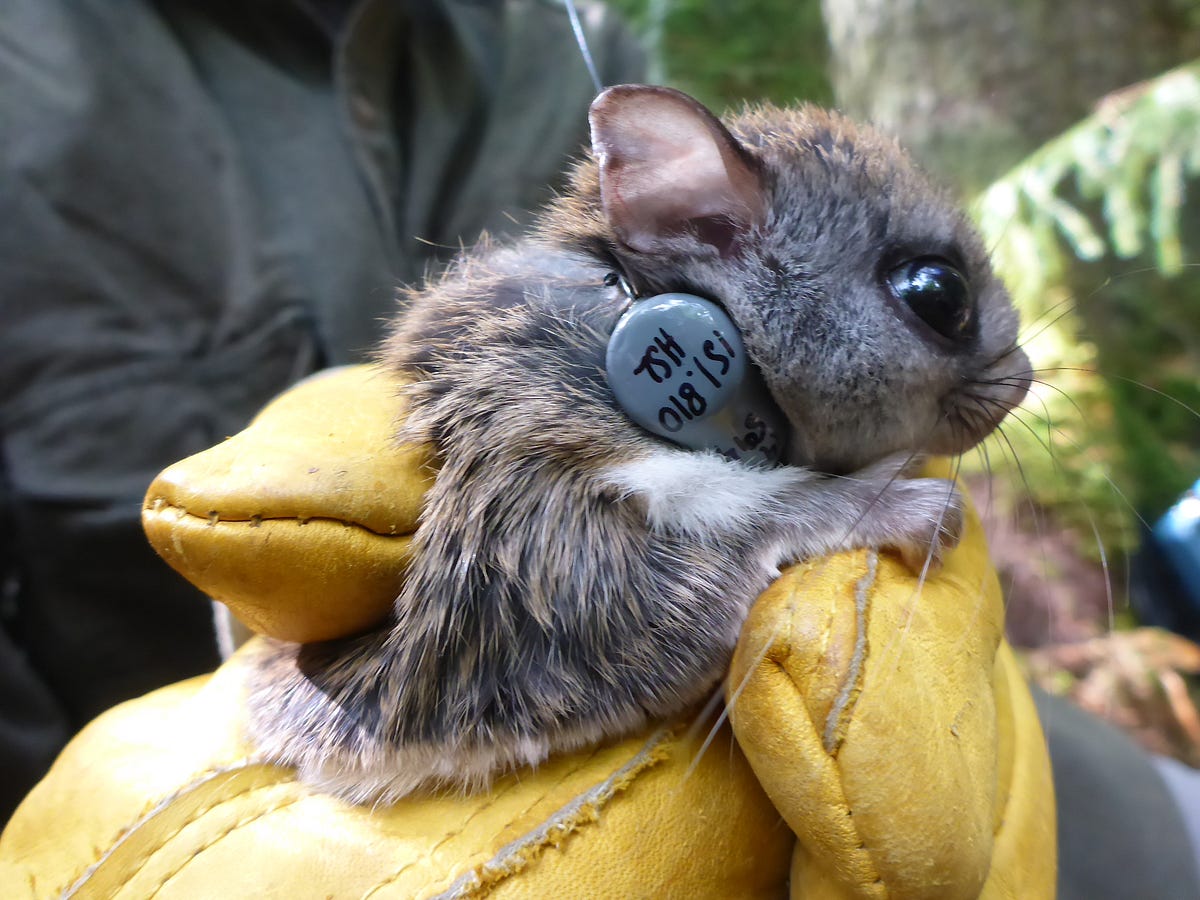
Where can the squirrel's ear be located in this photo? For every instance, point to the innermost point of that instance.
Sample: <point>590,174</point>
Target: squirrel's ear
<point>670,169</point>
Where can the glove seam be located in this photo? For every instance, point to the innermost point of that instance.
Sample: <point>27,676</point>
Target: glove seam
<point>836,721</point>
<point>564,821</point>
<point>163,506</point>
<point>161,806</point>
<point>224,833</point>
<point>858,840</point>
<point>479,810</point>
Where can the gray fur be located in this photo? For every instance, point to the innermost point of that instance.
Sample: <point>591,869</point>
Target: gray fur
<point>552,599</point>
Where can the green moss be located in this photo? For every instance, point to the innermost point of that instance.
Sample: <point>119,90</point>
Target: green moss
<point>726,53</point>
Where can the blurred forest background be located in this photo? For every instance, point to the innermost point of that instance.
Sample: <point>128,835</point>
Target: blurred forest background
<point>1072,130</point>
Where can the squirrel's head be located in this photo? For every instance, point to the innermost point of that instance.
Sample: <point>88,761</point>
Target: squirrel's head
<point>861,291</point>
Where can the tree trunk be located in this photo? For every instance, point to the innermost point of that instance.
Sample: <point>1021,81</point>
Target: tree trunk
<point>973,86</point>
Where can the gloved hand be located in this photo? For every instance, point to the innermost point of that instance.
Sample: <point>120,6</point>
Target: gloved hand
<point>882,719</point>
<point>891,728</point>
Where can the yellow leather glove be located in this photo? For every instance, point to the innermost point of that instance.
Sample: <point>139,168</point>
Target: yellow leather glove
<point>890,726</point>
<point>885,724</point>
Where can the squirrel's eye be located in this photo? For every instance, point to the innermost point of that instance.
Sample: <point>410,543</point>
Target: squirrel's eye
<point>937,292</point>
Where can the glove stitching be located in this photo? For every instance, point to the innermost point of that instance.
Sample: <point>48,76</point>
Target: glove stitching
<point>585,807</point>
<point>843,707</point>
<point>212,518</point>
<point>447,836</point>
<point>860,847</point>
<point>836,721</point>
<point>450,835</point>
<point>138,863</point>
<point>847,694</point>
<point>245,820</point>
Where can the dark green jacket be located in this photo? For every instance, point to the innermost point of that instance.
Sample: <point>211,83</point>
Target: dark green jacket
<point>201,202</point>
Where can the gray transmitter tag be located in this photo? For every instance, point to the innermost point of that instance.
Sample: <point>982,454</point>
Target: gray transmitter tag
<point>677,366</point>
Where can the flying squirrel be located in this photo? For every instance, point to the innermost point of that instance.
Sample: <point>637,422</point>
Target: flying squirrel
<point>573,575</point>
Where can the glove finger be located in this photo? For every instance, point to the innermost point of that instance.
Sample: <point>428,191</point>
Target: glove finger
<point>864,700</point>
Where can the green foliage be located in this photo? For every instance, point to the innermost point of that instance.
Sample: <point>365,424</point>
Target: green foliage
<point>726,53</point>
<point>1132,158</point>
<point>1089,234</point>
